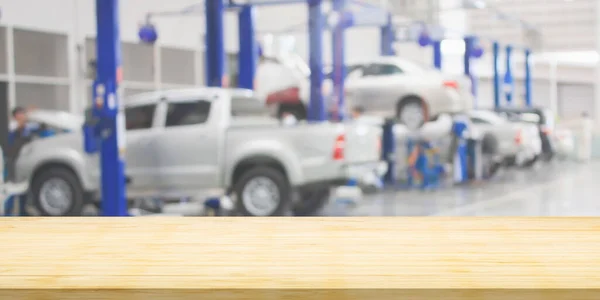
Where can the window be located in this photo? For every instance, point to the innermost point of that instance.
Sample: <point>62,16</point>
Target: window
<point>40,53</point>
<point>139,117</point>
<point>390,70</point>
<point>381,69</point>
<point>242,106</point>
<point>177,66</point>
<point>476,120</point>
<point>43,96</point>
<point>187,113</point>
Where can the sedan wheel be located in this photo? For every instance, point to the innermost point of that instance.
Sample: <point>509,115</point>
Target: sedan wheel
<point>412,113</point>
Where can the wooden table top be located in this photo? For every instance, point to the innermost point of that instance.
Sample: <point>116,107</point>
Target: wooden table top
<point>336,256</point>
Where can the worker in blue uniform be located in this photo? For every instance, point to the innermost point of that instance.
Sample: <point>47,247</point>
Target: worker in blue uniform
<point>17,138</point>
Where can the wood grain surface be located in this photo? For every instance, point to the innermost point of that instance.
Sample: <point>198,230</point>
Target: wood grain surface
<point>318,258</point>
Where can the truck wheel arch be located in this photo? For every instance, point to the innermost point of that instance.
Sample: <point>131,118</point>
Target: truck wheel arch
<point>254,161</point>
<point>53,164</point>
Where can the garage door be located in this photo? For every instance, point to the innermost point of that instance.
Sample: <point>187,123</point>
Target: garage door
<point>574,99</point>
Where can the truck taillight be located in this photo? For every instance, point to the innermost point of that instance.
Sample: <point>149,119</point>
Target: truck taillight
<point>338,147</point>
<point>379,145</point>
<point>519,137</point>
<point>451,84</point>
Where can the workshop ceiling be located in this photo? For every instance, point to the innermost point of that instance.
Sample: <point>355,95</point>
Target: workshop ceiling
<point>564,25</point>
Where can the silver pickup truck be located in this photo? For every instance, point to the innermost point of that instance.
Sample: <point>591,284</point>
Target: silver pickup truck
<point>185,143</point>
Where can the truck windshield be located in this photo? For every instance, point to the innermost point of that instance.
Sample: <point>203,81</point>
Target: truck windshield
<point>242,106</point>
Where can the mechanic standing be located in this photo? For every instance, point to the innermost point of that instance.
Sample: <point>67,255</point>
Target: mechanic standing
<point>17,138</point>
<point>586,138</point>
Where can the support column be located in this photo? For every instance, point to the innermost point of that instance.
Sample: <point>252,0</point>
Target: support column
<point>496,75</point>
<point>248,54</point>
<point>107,107</point>
<point>215,48</point>
<point>553,80</point>
<point>508,77</point>
<point>469,47</point>
<point>337,55</point>
<point>316,106</point>
<point>437,54</point>
<point>528,85</point>
<point>387,38</point>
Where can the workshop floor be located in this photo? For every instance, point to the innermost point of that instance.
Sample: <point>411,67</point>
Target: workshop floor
<point>559,189</point>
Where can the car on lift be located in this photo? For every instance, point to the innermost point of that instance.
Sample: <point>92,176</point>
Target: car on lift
<point>518,142</point>
<point>543,118</point>
<point>388,86</point>
<point>186,143</point>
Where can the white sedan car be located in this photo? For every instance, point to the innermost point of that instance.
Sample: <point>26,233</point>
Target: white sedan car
<point>413,93</point>
<point>386,86</point>
<point>518,142</point>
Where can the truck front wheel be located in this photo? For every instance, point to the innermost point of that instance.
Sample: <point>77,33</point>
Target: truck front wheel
<point>56,191</point>
<point>262,192</point>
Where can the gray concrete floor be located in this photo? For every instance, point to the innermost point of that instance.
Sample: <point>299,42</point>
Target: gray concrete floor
<point>557,189</point>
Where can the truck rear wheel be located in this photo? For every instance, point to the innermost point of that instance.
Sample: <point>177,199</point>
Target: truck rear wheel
<point>56,191</point>
<point>262,192</point>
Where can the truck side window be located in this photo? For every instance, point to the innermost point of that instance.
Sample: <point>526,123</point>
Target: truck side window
<point>187,113</point>
<point>476,120</point>
<point>139,117</point>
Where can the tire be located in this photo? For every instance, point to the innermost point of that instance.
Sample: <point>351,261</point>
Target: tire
<point>547,156</point>
<point>297,110</point>
<point>530,163</point>
<point>489,144</point>
<point>312,201</point>
<point>492,170</point>
<point>272,179</point>
<point>411,103</point>
<point>58,181</point>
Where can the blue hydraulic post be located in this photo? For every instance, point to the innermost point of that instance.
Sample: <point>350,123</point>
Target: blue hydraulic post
<point>248,54</point>
<point>110,131</point>
<point>437,54</point>
<point>496,62</point>
<point>215,49</point>
<point>528,77</point>
<point>316,106</point>
<point>508,78</point>
<point>339,71</point>
<point>469,47</point>
<point>387,38</point>
<point>388,153</point>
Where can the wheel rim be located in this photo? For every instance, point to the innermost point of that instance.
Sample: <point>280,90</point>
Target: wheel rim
<point>55,196</point>
<point>412,115</point>
<point>261,196</point>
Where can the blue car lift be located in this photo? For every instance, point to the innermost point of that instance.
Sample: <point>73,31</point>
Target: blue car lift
<point>317,23</point>
<point>507,82</point>
<point>107,133</point>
